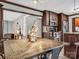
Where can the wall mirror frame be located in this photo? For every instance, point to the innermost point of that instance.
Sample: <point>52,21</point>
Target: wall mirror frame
<point>10,6</point>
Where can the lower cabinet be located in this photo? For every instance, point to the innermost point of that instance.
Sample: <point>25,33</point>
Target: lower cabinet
<point>70,51</point>
<point>71,38</point>
<point>77,57</point>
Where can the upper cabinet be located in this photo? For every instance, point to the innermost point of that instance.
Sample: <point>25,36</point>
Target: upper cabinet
<point>50,18</point>
<point>45,20</point>
<point>53,19</point>
<point>63,22</point>
<point>54,24</point>
<point>49,24</point>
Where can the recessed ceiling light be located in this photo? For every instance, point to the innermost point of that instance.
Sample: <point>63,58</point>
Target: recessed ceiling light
<point>35,1</point>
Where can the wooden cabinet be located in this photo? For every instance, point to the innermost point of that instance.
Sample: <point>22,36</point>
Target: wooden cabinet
<point>77,57</point>
<point>49,24</point>
<point>49,17</point>
<point>53,22</point>
<point>1,21</point>
<point>71,37</point>
<point>70,51</point>
<point>45,20</point>
<point>63,22</point>
<point>53,19</point>
<point>1,31</point>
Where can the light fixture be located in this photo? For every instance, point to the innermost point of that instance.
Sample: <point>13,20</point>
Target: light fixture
<point>40,1</point>
<point>75,9</point>
<point>35,1</point>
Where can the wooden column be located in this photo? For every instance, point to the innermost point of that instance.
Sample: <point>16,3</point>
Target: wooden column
<point>1,22</point>
<point>61,18</point>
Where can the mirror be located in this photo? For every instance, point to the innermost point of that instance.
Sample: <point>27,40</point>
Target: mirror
<point>75,23</point>
<point>26,15</point>
<point>24,21</point>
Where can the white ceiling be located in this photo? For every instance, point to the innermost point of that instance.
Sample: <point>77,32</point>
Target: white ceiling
<point>65,6</point>
<point>10,16</point>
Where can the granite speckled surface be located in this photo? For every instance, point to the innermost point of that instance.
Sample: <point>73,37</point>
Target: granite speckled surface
<point>21,49</point>
<point>71,32</point>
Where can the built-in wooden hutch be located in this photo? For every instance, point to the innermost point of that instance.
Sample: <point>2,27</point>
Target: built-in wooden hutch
<point>49,24</point>
<point>53,22</point>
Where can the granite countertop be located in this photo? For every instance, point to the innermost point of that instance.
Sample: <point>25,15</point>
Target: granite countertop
<point>71,32</point>
<point>21,49</point>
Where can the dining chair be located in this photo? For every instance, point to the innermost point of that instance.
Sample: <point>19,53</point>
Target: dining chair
<point>1,51</point>
<point>53,54</point>
<point>61,55</point>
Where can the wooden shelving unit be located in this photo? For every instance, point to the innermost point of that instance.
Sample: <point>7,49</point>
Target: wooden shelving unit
<point>53,22</point>
<point>49,24</point>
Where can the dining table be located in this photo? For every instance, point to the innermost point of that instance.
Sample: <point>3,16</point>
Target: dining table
<point>25,49</point>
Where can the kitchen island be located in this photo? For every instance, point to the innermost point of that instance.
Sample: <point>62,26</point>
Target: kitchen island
<point>24,49</point>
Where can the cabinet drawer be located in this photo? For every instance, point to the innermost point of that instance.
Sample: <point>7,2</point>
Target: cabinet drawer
<point>71,38</point>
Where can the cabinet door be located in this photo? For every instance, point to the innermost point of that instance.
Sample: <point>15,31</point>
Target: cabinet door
<point>64,17</point>
<point>1,22</point>
<point>72,38</point>
<point>53,19</point>
<point>77,38</point>
<point>70,51</point>
<point>45,20</point>
<point>77,53</point>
